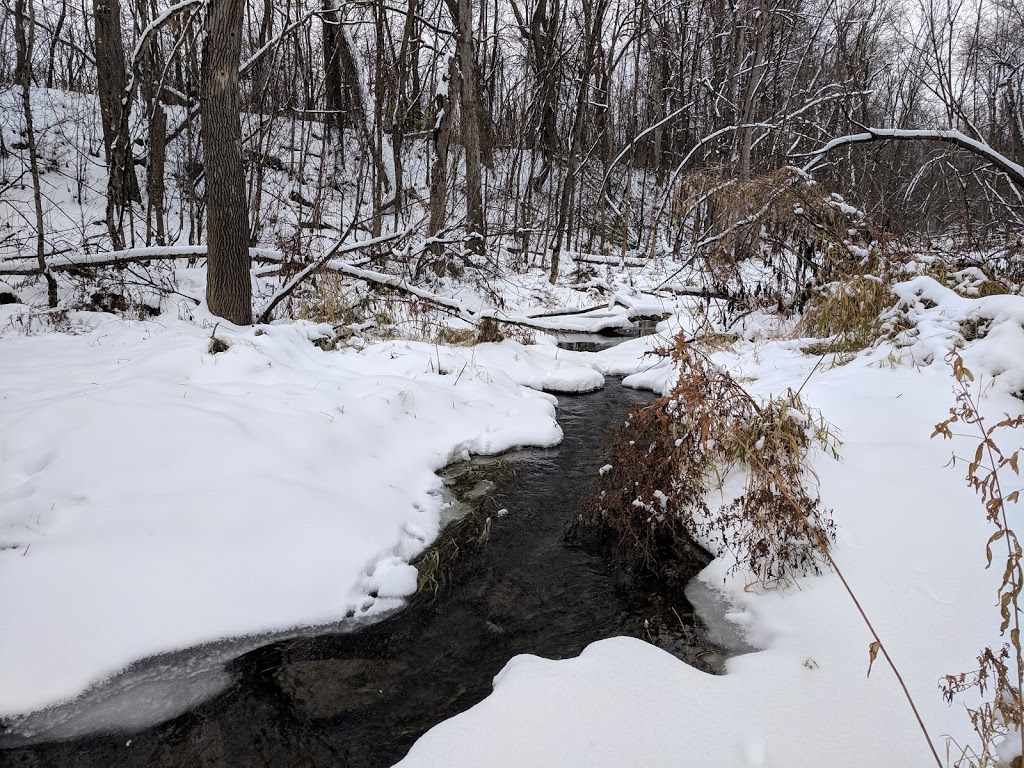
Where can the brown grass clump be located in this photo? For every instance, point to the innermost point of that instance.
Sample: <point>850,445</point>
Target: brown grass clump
<point>455,337</point>
<point>670,456</point>
<point>487,331</point>
<point>327,300</point>
<point>848,310</point>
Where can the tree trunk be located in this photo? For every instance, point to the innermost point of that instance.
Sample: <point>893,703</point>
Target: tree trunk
<point>351,74</point>
<point>53,42</point>
<point>469,101</point>
<point>152,68</point>
<point>745,135</point>
<point>408,60</point>
<point>24,36</point>
<point>595,24</point>
<point>228,285</point>
<point>439,171</point>
<point>111,80</point>
<point>541,34</point>
<point>335,91</point>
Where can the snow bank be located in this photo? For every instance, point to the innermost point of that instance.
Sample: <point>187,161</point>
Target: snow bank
<point>911,542</point>
<point>154,496</point>
<point>540,366</point>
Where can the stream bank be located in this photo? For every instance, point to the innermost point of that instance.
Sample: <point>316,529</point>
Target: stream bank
<point>362,698</point>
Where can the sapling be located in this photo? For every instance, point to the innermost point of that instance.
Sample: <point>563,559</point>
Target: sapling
<point>999,719</point>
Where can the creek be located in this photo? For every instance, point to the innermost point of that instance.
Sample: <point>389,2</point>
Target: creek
<point>361,695</point>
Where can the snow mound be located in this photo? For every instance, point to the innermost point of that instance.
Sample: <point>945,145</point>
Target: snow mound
<point>155,496</point>
<point>540,366</point>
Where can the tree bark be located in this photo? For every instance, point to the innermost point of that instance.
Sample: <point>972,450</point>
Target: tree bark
<point>745,134</point>
<point>111,80</point>
<point>228,284</point>
<point>439,171</point>
<point>335,90</point>
<point>541,33</point>
<point>152,68</point>
<point>594,13</point>
<point>469,101</point>
<point>24,26</point>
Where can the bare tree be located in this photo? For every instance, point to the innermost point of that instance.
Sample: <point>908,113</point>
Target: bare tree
<point>115,107</point>
<point>442,137</point>
<point>471,111</point>
<point>593,24</point>
<point>151,74</point>
<point>24,24</point>
<point>228,284</point>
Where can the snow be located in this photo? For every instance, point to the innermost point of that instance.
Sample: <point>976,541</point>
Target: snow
<point>539,366</point>
<point>154,496</point>
<point>911,542</point>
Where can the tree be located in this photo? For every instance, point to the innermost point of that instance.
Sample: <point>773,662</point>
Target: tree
<point>1013,171</point>
<point>115,106</point>
<point>150,68</point>
<point>24,37</point>
<point>471,109</point>
<point>228,285</point>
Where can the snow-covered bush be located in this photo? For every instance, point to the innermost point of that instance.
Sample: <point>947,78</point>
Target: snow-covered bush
<point>707,435</point>
<point>846,313</point>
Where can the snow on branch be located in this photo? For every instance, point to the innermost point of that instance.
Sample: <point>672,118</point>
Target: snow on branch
<point>152,28</point>
<point>329,260</point>
<point>118,258</point>
<point>1013,170</point>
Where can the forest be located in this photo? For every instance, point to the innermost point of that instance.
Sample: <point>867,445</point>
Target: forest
<point>511,382</point>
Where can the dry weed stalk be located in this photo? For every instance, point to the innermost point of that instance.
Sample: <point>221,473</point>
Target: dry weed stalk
<point>671,455</point>
<point>1000,673</point>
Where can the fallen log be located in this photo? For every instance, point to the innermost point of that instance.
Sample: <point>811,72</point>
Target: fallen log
<point>129,256</point>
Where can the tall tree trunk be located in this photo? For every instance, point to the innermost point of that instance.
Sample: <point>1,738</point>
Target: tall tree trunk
<point>112,79</point>
<point>335,91</point>
<point>352,71</point>
<point>541,33</point>
<point>408,60</point>
<point>469,101</point>
<point>54,39</point>
<point>745,136</point>
<point>24,32</point>
<point>228,285</point>
<point>439,171</point>
<point>152,68</point>
<point>593,12</point>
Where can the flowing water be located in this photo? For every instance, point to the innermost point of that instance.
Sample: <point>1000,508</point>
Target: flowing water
<point>361,695</point>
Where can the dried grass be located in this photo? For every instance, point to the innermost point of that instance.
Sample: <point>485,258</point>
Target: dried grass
<point>672,454</point>
<point>847,312</point>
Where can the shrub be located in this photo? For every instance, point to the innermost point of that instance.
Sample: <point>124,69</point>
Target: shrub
<point>999,719</point>
<point>847,311</point>
<point>669,457</point>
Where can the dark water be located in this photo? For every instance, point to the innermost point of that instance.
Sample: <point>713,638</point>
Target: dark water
<point>362,698</point>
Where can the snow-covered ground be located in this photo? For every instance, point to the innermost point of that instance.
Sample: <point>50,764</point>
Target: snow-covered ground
<point>155,496</point>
